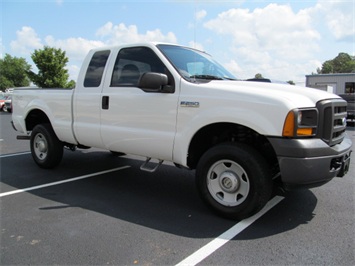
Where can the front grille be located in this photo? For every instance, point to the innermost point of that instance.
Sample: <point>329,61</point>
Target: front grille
<point>332,121</point>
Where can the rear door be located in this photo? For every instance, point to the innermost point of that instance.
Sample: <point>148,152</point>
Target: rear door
<point>87,99</point>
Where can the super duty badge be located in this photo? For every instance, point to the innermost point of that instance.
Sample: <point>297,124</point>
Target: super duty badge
<point>189,104</point>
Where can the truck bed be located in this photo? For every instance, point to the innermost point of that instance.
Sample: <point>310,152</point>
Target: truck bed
<point>55,102</point>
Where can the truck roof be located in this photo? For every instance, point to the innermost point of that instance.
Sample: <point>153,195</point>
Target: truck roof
<point>147,44</point>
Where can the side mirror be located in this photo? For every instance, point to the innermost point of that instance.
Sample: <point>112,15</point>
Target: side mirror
<point>154,82</point>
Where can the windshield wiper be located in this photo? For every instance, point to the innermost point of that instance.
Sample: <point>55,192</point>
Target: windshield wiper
<point>209,77</point>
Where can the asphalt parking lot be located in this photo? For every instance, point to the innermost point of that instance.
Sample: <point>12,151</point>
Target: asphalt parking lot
<point>98,209</point>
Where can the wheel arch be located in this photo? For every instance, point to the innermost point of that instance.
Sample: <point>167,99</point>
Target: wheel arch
<point>35,117</point>
<point>216,133</point>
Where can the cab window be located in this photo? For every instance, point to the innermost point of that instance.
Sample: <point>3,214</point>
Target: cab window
<point>96,69</point>
<point>131,63</point>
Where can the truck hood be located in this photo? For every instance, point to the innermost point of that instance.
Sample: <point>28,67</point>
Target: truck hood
<point>260,106</point>
<point>292,96</point>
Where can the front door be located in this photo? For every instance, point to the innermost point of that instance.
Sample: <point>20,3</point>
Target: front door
<point>134,121</point>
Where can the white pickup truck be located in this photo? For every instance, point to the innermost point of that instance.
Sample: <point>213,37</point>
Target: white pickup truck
<point>172,103</point>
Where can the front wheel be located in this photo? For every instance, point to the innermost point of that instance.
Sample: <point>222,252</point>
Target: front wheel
<point>46,148</point>
<point>233,180</point>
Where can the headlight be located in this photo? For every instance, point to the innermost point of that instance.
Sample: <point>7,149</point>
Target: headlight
<point>301,123</point>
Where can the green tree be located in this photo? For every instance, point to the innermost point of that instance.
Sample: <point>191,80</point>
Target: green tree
<point>259,76</point>
<point>342,63</point>
<point>51,64</point>
<point>13,72</point>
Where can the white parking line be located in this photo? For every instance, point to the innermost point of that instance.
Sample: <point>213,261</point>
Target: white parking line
<point>62,182</point>
<point>218,242</point>
<point>14,154</point>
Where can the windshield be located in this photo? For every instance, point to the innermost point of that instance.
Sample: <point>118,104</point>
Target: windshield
<point>193,64</point>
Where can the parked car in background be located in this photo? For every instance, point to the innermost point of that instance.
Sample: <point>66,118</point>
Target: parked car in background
<point>350,98</point>
<point>2,102</point>
<point>8,105</point>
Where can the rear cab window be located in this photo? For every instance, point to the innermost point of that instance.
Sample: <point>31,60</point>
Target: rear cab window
<point>95,70</point>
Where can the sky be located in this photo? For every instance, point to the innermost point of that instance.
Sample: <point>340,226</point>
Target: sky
<point>282,40</point>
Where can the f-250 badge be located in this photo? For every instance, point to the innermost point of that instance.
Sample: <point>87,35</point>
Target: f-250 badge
<point>189,104</point>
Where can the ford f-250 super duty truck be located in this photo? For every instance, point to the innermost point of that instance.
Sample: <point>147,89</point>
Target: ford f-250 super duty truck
<point>174,103</point>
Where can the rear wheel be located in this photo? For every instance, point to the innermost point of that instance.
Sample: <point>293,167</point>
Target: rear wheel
<point>233,180</point>
<point>46,148</point>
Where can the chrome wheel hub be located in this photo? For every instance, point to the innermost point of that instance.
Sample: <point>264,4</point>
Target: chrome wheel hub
<point>40,146</point>
<point>228,183</point>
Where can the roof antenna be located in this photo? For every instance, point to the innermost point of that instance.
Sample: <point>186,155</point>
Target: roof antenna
<point>194,44</point>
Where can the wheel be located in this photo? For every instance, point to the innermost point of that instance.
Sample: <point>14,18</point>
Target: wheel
<point>233,180</point>
<point>46,148</point>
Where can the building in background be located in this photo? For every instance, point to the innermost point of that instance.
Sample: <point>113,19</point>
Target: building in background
<point>339,83</point>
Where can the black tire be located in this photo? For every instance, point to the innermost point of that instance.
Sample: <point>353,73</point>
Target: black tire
<point>233,180</point>
<point>46,148</point>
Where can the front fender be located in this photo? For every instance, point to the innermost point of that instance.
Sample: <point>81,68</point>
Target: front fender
<point>188,125</point>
